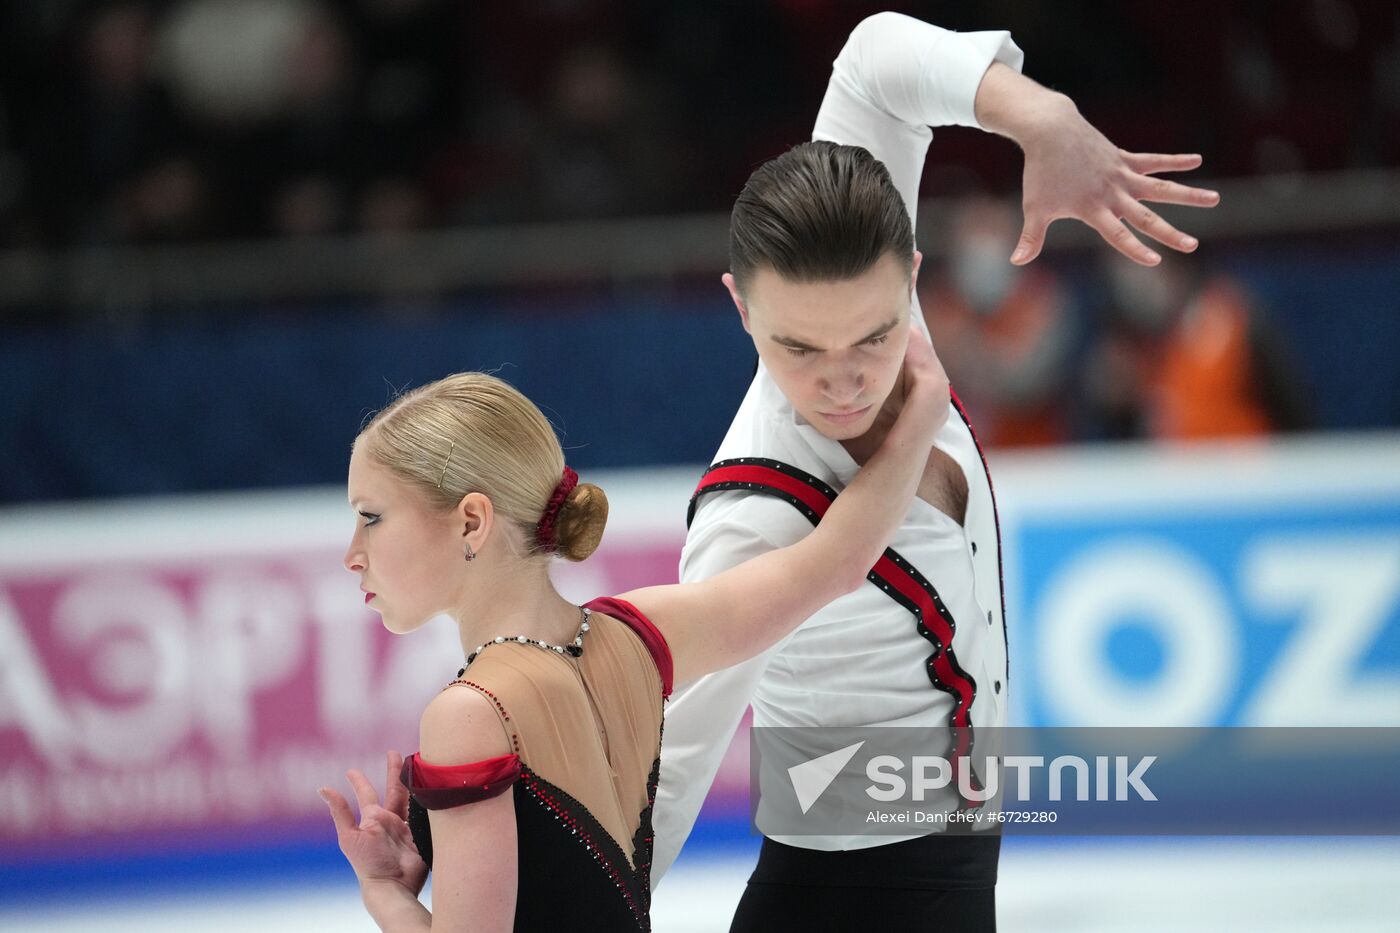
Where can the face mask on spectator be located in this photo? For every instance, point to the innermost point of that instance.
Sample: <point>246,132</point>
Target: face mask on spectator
<point>982,274</point>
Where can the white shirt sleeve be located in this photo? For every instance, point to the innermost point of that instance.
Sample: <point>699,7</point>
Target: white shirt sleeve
<point>702,717</point>
<point>896,77</point>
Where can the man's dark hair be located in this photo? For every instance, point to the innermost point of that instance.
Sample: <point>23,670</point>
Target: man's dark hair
<point>819,212</point>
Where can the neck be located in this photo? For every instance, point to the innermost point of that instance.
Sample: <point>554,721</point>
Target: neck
<point>516,597</point>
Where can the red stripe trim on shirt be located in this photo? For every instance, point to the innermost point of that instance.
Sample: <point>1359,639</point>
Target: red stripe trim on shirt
<point>787,482</point>
<point>770,478</point>
<point>934,619</point>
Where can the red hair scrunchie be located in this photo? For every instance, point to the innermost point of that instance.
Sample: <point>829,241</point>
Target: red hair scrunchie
<point>545,534</point>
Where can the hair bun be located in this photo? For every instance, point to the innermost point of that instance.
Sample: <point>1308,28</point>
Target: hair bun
<point>582,516</point>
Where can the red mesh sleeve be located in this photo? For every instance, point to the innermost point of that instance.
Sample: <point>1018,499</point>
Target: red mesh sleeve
<point>438,787</point>
<point>651,636</point>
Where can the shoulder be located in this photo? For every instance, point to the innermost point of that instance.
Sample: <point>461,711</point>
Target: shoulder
<point>638,621</point>
<point>461,724</point>
<point>766,521</point>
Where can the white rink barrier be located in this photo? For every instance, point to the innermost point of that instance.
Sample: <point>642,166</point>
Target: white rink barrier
<point>179,666</point>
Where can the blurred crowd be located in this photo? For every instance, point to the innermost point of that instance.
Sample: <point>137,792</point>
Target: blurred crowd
<point>1173,352</point>
<point>148,121</point>
<point>161,121</point>
<point>133,121</point>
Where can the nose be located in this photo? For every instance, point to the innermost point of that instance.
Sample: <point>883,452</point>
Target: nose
<point>354,559</point>
<point>843,385</point>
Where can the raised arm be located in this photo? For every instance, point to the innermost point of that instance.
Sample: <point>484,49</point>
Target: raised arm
<point>898,76</point>
<point>714,623</point>
<point>895,78</point>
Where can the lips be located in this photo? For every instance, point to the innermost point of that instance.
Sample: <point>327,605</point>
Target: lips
<point>368,597</point>
<point>845,417</point>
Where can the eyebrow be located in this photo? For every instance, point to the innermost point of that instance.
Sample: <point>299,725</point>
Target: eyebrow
<point>802,345</point>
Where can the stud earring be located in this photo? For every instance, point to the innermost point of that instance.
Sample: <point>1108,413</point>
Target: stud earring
<point>471,555</point>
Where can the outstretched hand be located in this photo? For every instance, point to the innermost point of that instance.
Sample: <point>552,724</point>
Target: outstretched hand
<point>1073,171</point>
<point>380,847</point>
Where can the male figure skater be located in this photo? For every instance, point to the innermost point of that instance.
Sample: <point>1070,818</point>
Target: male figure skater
<point>822,273</point>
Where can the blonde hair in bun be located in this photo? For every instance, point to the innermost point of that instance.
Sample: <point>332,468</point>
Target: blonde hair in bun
<point>580,523</point>
<point>473,432</point>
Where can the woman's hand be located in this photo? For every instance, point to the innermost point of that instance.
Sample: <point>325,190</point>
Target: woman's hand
<point>926,389</point>
<point>380,847</point>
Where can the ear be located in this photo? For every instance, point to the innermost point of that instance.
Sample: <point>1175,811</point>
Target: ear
<point>914,274</point>
<point>475,518</point>
<point>728,280</point>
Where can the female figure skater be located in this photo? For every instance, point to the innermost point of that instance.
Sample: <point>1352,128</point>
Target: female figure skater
<point>459,487</point>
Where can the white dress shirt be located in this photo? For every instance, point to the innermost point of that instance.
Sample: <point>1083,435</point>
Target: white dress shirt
<point>859,661</point>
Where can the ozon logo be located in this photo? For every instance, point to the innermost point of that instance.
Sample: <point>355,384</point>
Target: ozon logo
<point>1322,601</point>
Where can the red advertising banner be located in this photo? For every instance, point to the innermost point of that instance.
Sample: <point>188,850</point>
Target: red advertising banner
<point>205,668</point>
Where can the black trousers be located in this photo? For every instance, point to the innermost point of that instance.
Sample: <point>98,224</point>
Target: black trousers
<point>935,883</point>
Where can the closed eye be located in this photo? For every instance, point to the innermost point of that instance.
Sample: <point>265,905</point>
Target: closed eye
<point>803,351</point>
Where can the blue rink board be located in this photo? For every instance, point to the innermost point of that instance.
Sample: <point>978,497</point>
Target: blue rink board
<point>1207,557</point>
